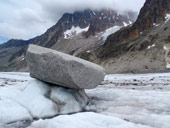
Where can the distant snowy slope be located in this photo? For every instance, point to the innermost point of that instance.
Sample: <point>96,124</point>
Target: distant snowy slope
<point>110,31</point>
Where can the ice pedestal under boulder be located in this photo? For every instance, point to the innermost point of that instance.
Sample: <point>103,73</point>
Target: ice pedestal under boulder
<point>69,100</point>
<point>62,69</point>
<point>39,100</point>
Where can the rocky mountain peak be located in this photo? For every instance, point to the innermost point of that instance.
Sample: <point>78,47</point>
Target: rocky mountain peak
<point>97,20</point>
<point>93,21</point>
<point>107,18</point>
<point>78,18</point>
<point>153,12</point>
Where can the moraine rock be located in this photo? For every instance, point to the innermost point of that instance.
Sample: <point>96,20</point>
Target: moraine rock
<point>61,69</point>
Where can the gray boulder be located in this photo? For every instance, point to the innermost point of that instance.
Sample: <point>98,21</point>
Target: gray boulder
<point>61,69</point>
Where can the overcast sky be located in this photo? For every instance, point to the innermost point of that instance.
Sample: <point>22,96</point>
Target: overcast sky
<point>25,19</point>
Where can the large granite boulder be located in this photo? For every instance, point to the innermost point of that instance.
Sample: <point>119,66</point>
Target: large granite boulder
<point>61,69</point>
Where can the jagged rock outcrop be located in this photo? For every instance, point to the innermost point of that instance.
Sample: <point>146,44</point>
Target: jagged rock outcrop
<point>153,11</point>
<point>108,18</point>
<point>62,69</point>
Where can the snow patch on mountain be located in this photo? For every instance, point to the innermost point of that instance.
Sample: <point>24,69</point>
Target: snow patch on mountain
<point>130,22</point>
<point>68,34</point>
<point>167,18</point>
<point>154,24</point>
<point>151,46</point>
<point>110,31</point>
<point>125,24</point>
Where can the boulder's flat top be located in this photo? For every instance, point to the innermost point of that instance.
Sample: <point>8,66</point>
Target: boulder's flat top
<point>42,50</point>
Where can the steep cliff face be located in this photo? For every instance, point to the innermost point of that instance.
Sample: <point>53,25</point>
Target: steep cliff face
<point>152,13</point>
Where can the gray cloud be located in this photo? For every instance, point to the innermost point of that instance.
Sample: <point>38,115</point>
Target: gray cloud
<point>28,18</point>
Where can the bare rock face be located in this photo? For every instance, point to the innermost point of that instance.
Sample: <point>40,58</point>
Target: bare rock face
<point>153,12</point>
<point>62,69</point>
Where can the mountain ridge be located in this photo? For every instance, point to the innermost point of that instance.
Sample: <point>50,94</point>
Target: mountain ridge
<point>139,47</point>
<point>66,35</point>
<point>78,18</point>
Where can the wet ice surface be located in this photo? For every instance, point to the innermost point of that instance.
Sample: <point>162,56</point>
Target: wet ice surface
<point>13,78</point>
<point>141,98</point>
<point>154,81</point>
<point>121,101</point>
